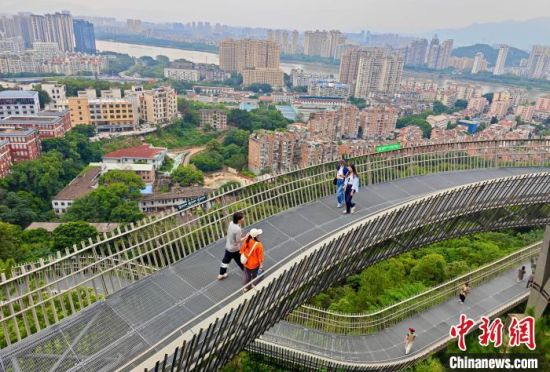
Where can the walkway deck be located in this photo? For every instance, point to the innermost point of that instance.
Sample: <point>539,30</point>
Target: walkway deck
<point>432,326</point>
<point>109,334</point>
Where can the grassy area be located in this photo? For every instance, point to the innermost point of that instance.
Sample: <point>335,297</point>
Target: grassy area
<point>177,136</point>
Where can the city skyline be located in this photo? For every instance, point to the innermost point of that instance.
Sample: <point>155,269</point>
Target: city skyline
<point>413,17</point>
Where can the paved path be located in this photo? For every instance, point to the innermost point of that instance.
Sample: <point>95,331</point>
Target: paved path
<point>110,333</point>
<point>432,326</point>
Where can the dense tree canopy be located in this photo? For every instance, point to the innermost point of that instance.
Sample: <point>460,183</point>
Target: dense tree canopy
<point>67,234</point>
<point>263,118</point>
<point>128,178</point>
<point>188,175</point>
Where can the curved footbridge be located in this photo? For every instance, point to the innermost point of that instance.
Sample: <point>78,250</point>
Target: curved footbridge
<point>183,318</point>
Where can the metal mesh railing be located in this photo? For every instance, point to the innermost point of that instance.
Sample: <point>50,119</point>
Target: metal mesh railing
<point>37,296</point>
<point>366,323</point>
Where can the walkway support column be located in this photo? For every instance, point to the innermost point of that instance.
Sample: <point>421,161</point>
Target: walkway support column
<point>540,291</point>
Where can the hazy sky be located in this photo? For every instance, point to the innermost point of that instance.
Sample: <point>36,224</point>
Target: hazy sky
<point>406,16</point>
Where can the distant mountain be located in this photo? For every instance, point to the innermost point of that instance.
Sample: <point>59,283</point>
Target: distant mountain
<point>514,55</point>
<point>521,34</point>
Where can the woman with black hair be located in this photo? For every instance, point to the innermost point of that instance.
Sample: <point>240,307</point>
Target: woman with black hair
<point>351,187</point>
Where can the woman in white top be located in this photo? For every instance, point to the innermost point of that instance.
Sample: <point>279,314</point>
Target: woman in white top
<point>351,186</point>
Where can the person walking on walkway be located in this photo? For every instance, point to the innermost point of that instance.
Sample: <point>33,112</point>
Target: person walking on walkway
<point>232,244</point>
<point>530,280</point>
<point>341,173</point>
<point>464,291</point>
<point>252,255</point>
<point>409,340</point>
<point>351,188</point>
<point>521,273</point>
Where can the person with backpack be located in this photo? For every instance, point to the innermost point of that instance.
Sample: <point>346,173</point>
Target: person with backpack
<point>252,257</point>
<point>351,185</point>
<point>341,173</point>
<point>232,244</point>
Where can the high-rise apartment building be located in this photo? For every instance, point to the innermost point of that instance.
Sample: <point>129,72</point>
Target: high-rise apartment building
<point>156,106</point>
<point>416,53</point>
<point>377,122</point>
<point>84,36</point>
<point>134,25</point>
<point>538,64</point>
<point>323,43</point>
<point>271,76</point>
<point>501,60</point>
<point>500,105</point>
<point>334,125</point>
<point>372,70</point>
<point>237,55</point>
<point>295,42</point>
<point>54,28</point>
<point>272,151</point>
<point>439,54</point>
<point>480,64</point>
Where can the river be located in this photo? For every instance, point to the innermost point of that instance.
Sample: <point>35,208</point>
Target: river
<point>136,50</point>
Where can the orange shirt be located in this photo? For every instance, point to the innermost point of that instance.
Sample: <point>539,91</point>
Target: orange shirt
<point>257,257</point>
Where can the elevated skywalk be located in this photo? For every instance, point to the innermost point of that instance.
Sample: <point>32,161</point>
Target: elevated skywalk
<point>133,321</point>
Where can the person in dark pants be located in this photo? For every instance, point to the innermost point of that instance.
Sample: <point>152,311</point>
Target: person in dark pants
<point>341,173</point>
<point>351,185</point>
<point>232,244</point>
<point>253,250</point>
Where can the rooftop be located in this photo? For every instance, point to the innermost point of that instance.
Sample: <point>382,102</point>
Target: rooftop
<point>124,166</point>
<point>30,119</point>
<point>144,151</point>
<point>81,186</point>
<point>186,192</point>
<point>18,94</point>
<point>15,132</point>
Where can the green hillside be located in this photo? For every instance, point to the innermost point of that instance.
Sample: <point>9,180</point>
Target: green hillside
<point>514,55</point>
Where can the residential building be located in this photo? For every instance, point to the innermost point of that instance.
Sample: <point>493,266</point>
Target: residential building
<point>182,74</point>
<point>378,71</point>
<point>214,118</point>
<point>444,54</point>
<point>272,151</point>
<point>106,114</point>
<point>143,154</point>
<point>317,152</point>
<point>538,64</point>
<point>18,102</point>
<point>377,122</point>
<point>5,159</point>
<point>501,60</point>
<point>334,124</point>
<point>78,188</point>
<point>500,105</point>
<point>57,28</point>
<point>543,104</point>
<point>461,63</point>
<point>323,43</point>
<point>328,88</point>
<point>477,106</point>
<point>24,144</point>
<point>271,76</point>
<point>166,201</point>
<point>238,55</point>
<point>480,64</point>
<point>84,36</point>
<point>156,106</point>
<point>57,93</point>
<point>438,121</point>
<point>134,25</point>
<point>48,124</point>
<point>300,78</point>
<point>416,52</point>
<point>525,113</point>
<point>11,44</point>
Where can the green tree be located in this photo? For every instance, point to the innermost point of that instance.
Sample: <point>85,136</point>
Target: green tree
<point>127,178</point>
<point>208,161</point>
<point>67,234</point>
<point>430,270</point>
<point>360,103</point>
<point>461,104</point>
<point>260,88</point>
<point>494,120</point>
<point>489,97</point>
<point>43,96</point>
<point>188,175</point>
<point>439,107</point>
<point>241,119</point>
<point>10,241</point>
<point>238,137</point>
